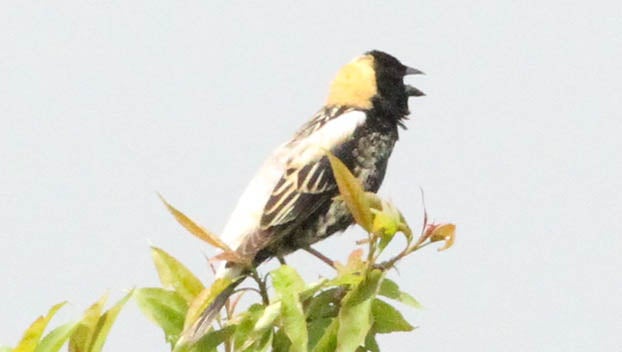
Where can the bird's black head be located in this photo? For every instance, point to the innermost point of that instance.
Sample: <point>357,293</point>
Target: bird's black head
<point>375,82</point>
<point>393,94</point>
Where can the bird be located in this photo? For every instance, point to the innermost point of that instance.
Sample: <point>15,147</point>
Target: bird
<point>291,203</point>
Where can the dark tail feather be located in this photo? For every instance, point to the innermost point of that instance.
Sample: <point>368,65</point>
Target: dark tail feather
<point>202,325</point>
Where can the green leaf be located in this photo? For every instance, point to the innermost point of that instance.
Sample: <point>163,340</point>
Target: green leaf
<point>325,304</point>
<point>193,329</point>
<point>352,192</point>
<point>287,283</point>
<point>355,264</point>
<point>175,275</point>
<point>355,318</point>
<point>33,334</point>
<point>80,339</point>
<point>387,319</point>
<point>263,344</point>
<point>389,289</point>
<point>104,324</point>
<point>328,341</point>
<point>312,289</point>
<point>371,344</point>
<point>280,342</point>
<point>165,308</point>
<point>212,339</point>
<point>202,301</point>
<point>293,321</point>
<point>346,279</point>
<point>317,329</point>
<point>286,280</point>
<point>386,221</point>
<point>386,227</point>
<point>268,317</point>
<point>243,336</point>
<point>56,338</point>
<point>257,336</point>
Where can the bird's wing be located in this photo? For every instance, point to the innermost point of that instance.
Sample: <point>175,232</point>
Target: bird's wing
<point>298,191</point>
<point>294,181</point>
<point>308,179</point>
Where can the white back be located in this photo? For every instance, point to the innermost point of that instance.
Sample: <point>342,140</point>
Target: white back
<point>246,216</point>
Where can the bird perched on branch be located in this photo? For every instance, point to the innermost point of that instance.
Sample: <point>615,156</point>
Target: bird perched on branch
<point>291,202</point>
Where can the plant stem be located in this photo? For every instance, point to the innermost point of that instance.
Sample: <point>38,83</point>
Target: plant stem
<point>391,262</point>
<point>263,290</point>
<point>320,256</point>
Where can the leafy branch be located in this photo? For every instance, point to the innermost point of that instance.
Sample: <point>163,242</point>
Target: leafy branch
<point>341,313</point>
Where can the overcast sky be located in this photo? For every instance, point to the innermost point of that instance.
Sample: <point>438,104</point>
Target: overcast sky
<point>104,103</point>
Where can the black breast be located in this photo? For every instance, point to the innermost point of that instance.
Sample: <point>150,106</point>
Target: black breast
<point>371,155</point>
<point>366,155</point>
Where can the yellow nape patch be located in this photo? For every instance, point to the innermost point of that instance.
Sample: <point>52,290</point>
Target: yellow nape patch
<point>355,84</point>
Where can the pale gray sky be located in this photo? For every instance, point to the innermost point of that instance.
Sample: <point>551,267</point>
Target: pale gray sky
<point>517,141</point>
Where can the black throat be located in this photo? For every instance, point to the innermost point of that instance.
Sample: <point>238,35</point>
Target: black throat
<point>391,100</point>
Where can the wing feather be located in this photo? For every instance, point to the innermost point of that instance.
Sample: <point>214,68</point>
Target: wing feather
<point>302,183</point>
<point>308,179</point>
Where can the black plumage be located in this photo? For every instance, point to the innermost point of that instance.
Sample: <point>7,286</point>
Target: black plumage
<point>367,102</point>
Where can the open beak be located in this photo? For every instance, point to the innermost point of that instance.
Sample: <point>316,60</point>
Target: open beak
<point>413,71</point>
<point>410,90</point>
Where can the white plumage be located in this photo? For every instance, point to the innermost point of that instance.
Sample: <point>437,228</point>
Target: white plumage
<point>247,214</point>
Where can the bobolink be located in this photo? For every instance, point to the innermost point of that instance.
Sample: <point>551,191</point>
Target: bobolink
<point>290,203</point>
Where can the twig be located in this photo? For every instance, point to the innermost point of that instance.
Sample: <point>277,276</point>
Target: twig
<point>263,290</point>
<point>320,256</point>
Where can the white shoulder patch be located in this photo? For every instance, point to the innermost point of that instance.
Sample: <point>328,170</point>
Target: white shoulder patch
<point>332,133</point>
